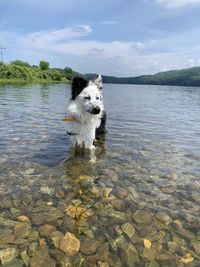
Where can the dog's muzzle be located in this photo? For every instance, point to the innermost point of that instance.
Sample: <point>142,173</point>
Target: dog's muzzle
<point>95,110</point>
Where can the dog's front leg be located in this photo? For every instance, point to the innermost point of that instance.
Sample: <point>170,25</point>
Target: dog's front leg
<point>89,145</point>
<point>90,139</point>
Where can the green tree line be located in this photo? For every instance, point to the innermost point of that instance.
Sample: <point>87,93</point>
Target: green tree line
<point>22,71</point>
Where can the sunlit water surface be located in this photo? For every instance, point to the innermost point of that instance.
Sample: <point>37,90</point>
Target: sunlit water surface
<point>143,184</point>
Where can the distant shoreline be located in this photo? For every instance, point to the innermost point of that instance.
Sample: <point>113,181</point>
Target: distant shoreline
<point>184,77</point>
<point>22,72</point>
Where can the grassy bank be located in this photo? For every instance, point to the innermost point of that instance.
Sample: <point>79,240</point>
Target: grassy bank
<point>20,72</point>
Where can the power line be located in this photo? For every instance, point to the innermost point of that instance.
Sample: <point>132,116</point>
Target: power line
<point>2,50</point>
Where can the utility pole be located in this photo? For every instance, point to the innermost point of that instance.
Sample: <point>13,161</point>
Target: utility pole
<point>2,48</point>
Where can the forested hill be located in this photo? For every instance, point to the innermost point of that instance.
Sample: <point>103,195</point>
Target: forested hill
<point>184,77</point>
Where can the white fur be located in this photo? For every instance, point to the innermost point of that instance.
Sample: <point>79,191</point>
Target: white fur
<point>86,123</point>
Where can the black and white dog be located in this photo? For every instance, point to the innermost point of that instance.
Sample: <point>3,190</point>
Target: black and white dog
<point>86,111</point>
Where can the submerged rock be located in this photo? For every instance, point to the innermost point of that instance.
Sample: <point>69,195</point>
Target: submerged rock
<point>185,234</point>
<point>167,256</point>
<point>147,243</point>
<point>66,261</point>
<point>77,211</point>
<point>50,217</point>
<point>56,237</point>
<point>143,217</point>
<point>150,253</point>
<point>103,264</point>
<point>117,242</point>
<point>23,218</point>
<point>117,215</point>
<point>89,246</point>
<point>103,251</point>
<point>14,263</point>
<point>25,257</point>
<point>46,230</point>
<point>40,258</point>
<point>8,239</point>
<point>196,197</point>
<point>187,258</point>
<point>128,229</point>
<point>7,223</point>
<point>47,190</point>
<point>129,254</point>
<point>22,230</point>
<point>32,248</point>
<point>152,264</point>
<point>118,204</point>
<point>70,244</point>
<point>15,211</point>
<point>121,192</point>
<point>163,217</point>
<point>29,171</point>
<point>8,254</point>
<point>79,261</point>
<point>196,246</point>
<point>5,232</point>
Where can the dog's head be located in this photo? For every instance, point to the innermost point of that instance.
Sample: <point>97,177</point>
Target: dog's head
<point>88,95</point>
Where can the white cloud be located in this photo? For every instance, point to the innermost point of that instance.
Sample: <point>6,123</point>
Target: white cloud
<point>49,37</point>
<point>68,46</point>
<point>176,3</point>
<point>109,22</point>
<point>71,41</point>
<point>76,47</point>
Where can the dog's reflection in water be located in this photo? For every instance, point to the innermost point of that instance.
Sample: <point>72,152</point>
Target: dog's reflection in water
<point>80,153</point>
<point>82,171</point>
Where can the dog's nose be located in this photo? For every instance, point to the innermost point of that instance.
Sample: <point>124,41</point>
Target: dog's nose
<point>96,110</point>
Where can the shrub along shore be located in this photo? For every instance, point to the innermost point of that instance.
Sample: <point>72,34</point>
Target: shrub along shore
<point>20,71</point>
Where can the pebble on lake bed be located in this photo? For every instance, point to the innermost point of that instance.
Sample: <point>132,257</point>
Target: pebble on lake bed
<point>69,244</point>
<point>23,218</point>
<point>46,230</point>
<point>128,229</point>
<point>8,254</point>
<point>147,243</point>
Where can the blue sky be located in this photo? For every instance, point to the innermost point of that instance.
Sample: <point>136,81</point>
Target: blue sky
<point>113,37</point>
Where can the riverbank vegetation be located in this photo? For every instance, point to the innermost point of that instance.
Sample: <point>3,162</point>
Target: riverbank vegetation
<point>20,71</point>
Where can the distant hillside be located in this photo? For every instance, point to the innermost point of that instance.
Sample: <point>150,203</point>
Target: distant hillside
<point>184,77</point>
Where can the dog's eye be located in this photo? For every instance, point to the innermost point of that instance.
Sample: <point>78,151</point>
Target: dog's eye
<point>97,98</point>
<point>87,97</point>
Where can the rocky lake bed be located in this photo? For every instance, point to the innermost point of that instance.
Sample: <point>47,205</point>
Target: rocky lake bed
<point>136,204</point>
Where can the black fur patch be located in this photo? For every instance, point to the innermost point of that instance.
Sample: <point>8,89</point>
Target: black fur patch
<point>78,84</point>
<point>102,128</point>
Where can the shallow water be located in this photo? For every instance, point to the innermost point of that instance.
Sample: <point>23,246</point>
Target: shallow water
<point>143,185</point>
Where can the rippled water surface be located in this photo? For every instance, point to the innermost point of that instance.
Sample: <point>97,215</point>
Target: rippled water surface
<point>136,203</point>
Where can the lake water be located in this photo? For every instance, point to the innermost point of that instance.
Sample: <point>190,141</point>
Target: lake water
<point>137,203</point>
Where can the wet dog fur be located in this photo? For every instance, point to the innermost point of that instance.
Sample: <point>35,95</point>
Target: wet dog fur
<point>87,108</point>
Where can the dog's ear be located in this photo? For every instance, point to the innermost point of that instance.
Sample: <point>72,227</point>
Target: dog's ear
<point>98,81</point>
<point>78,84</point>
